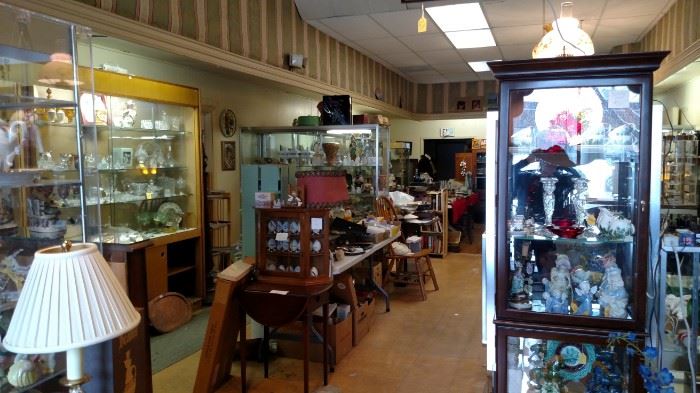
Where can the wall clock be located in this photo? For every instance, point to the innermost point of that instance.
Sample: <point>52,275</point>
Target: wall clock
<point>227,123</point>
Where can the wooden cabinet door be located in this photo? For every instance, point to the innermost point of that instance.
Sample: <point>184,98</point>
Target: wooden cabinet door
<point>157,270</point>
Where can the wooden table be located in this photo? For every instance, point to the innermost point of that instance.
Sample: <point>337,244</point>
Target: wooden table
<point>349,261</point>
<point>274,305</point>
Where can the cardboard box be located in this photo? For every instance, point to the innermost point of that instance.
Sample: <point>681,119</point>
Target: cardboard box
<point>362,320</point>
<point>377,273</point>
<point>264,199</point>
<point>289,341</point>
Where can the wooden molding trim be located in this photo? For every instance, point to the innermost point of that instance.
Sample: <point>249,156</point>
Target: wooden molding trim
<point>677,62</point>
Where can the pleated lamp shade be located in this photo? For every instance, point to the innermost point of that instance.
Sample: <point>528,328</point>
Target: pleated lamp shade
<point>70,299</point>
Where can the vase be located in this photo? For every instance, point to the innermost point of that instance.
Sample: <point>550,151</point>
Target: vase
<point>580,197</point>
<point>331,151</point>
<point>548,186</point>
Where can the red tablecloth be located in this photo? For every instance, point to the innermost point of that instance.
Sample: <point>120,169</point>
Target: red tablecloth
<point>461,205</point>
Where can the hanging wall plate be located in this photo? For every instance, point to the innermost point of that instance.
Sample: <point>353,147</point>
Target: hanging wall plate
<point>227,123</point>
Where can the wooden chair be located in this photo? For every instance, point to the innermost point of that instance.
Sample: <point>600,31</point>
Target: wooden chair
<point>423,268</point>
<point>384,207</point>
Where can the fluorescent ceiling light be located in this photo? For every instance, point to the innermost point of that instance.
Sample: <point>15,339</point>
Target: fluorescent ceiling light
<point>480,66</point>
<point>471,38</point>
<point>341,132</point>
<point>458,17</point>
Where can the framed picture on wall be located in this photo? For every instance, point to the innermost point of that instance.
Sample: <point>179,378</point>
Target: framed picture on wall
<point>228,155</point>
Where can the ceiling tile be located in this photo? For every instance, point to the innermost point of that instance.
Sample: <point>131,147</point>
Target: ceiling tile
<point>444,56</point>
<point>403,60</point>
<point>454,68</point>
<point>628,8</point>
<point>403,23</point>
<point>517,52</point>
<point>479,54</point>
<point>360,27</point>
<point>384,46</point>
<point>314,9</point>
<point>377,6</point>
<point>461,77</point>
<point>515,35</point>
<point>426,42</point>
<point>515,13</point>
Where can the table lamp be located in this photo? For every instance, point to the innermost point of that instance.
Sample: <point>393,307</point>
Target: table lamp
<point>70,300</point>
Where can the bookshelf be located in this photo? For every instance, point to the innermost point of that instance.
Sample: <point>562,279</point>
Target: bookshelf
<point>435,233</point>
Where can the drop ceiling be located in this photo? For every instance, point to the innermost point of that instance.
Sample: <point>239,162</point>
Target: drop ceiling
<point>386,30</point>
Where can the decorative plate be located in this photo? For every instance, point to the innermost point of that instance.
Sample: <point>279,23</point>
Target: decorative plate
<point>227,123</point>
<point>169,214</point>
<point>577,359</point>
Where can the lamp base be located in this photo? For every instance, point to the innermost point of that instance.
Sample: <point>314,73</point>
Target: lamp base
<point>75,385</point>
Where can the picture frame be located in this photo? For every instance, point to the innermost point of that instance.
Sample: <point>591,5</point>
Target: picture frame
<point>228,155</point>
<point>122,157</point>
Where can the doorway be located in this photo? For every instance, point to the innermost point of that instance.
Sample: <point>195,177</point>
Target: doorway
<point>442,152</point>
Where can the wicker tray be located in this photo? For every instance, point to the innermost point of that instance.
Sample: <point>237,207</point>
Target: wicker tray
<point>169,311</point>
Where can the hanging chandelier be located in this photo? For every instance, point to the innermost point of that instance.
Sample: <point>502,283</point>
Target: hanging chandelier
<point>566,38</point>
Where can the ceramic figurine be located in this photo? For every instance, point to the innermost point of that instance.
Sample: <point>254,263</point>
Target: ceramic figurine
<point>22,373</point>
<point>583,297</point>
<point>548,187</point>
<point>613,296</point>
<point>10,137</point>
<point>517,282</point>
<point>558,287</point>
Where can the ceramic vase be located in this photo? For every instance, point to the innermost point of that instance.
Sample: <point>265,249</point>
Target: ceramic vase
<point>580,197</point>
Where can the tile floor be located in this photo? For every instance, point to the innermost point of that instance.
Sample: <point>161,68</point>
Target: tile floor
<point>428,346</point>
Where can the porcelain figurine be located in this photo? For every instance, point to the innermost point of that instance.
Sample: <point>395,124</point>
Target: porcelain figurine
<point>10,137</point>
<point>23,372</point>
<point>613,296</point>
<point>583,297</point>
<point>558,287</point>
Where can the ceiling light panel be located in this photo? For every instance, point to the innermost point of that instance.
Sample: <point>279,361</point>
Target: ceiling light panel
<point>480,66</point>
<point>471,38</point>
<point>458,17</point>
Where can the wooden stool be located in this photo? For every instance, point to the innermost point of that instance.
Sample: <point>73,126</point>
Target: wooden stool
<point>423,265</point>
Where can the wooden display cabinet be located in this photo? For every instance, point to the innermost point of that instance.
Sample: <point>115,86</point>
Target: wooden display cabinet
<point>293,246</point>
<point>573,199</point>
<point>150,191</point>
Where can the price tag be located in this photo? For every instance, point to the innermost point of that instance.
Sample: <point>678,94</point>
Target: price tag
<point>149,195</point>
<point>282,236</point>
<point>316,223</point>
<point>277,292</point>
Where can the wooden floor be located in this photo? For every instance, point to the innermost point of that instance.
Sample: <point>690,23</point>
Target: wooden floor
<point>428,346</point>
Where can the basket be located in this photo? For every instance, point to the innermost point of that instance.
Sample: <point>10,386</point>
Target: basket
<point>169,311</point>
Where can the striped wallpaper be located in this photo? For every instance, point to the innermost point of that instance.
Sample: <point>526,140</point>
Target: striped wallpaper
<point>676,31</point>
<point>268,30</point>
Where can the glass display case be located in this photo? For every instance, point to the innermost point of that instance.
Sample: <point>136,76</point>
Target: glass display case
<point>148,158</point>
<point>573,196</point>
<point>681,170</point>
<point>361,150</point>
<point>293,246</point>
<point>567,362</point>
<point>43,176</point>
<point>677,333</point>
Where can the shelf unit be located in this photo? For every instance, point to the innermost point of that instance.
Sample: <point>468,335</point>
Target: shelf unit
<point>34,126</point>
<point>574,147</point>
<point>434,235</point>
<point>681,172</point>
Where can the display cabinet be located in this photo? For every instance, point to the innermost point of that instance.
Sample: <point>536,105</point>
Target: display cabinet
<point>43,178</point>
<point>149,164</point>
<point>533,360</point>
<point>572,202</point>
<point>271,157</point>
<point>681,171</point>
<point>361,150</point>
<point>677,332</point>
<point>293,247</point>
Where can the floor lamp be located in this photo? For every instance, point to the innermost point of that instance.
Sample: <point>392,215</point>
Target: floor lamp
<point>70,300</point>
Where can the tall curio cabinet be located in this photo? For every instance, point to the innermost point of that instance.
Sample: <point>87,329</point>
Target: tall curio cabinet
<point>571,233</point>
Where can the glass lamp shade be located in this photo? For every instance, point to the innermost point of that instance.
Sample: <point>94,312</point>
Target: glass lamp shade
<point>58,71</point>
<point>553,45</point>
<point>70,299</point>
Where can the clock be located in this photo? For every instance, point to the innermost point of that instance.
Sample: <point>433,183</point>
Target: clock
<point>227,123</point>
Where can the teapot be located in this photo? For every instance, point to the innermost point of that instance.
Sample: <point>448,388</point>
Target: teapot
<point>10,137</point>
